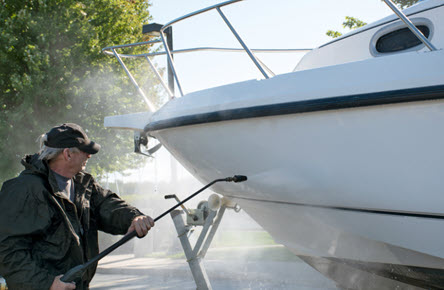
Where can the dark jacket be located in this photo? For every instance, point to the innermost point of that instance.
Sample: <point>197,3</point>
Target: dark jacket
<point>43,234</point>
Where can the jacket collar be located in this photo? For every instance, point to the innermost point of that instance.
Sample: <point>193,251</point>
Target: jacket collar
<point>34,165</point>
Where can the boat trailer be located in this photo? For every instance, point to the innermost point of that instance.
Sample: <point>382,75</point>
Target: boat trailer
<point>208,214</point>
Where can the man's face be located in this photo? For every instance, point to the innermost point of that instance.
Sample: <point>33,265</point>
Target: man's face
<point>79,160</point>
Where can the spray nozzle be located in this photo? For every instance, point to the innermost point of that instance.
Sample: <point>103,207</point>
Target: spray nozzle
<point>236,178</point>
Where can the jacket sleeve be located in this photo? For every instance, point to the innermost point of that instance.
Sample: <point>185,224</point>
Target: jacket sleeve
<point>113,214</point>
<point>23,215</point>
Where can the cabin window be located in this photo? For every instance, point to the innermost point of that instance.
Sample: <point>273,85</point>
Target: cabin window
<point>400,39</point>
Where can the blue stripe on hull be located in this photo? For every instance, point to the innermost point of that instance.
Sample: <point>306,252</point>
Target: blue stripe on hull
<point>322,104</point>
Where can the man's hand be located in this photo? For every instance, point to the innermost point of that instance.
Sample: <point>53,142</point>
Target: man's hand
<point>141,224</point>
<point>59,285</point>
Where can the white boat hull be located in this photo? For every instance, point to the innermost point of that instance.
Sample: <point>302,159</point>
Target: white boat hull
<point>336,182</point>
<point>344,156</point>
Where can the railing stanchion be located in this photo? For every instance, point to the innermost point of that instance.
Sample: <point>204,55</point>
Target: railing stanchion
<point>151,107</point>
<point>159,77</point>
<point>253,58</point>
<point>170,59</point>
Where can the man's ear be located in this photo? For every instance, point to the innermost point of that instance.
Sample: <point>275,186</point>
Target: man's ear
<point>66,154</point>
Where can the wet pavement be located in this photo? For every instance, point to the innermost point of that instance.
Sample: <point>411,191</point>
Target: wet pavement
<point>129,272</point>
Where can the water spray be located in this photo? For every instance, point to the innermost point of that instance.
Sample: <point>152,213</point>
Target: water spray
<point>78,271</point>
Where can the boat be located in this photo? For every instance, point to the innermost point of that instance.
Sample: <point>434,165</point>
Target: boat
<point>344,155</point>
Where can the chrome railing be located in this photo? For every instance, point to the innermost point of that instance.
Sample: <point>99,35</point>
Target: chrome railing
<point>111,50</point>
<point>265,71</point>
<point>259,64</point>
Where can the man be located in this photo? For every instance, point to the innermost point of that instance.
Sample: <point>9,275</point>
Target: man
<point>50,214</point>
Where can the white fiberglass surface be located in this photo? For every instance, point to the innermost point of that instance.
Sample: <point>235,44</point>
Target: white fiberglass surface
<point>409,70</point>
<point>351,235</point>
<point>359,44</point>
<point>381,157</point>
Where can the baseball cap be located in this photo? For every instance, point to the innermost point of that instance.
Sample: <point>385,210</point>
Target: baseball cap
<point>71,135</point>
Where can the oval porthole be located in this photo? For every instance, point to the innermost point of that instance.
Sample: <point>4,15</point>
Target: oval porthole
<point>400,39</point>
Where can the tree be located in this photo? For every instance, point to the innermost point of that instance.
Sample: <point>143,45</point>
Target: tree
<point>405,3</point>
<point>350,23</point>
<point>353,23</point>
<point>52,71</point>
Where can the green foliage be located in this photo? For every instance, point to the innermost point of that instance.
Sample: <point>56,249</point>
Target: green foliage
<point>350,23</point>
<point>353,23</point>
<point>52,71</point>
<point>333,33</point>
<point>405,3</point>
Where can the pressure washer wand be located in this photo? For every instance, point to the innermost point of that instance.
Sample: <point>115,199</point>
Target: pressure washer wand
<point>78,271</point>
